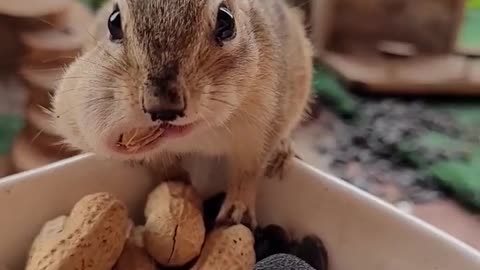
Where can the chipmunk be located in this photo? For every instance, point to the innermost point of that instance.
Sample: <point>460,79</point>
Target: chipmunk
<point>170,79</point>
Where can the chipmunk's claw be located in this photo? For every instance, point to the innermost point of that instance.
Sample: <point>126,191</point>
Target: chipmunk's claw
<point>279,160</point>
<point>237,212</point>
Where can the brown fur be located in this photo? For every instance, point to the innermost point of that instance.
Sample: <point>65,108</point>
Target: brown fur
<point>247,95</point>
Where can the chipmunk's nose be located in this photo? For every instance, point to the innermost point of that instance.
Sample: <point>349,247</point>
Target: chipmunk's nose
<point>165,115</point>
<point>163,109</point>
<point>162,99</point>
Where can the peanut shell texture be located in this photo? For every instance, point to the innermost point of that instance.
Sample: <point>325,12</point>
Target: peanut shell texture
<point>134,256</point>
<point>229,248</point>
<point>174,231</point>
<point>91,238</point>
<point>49,230</point>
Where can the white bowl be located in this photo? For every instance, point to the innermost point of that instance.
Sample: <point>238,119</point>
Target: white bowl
<point>360,232</point>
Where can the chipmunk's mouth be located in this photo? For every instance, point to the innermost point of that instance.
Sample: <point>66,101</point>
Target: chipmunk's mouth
<point>139,140</point>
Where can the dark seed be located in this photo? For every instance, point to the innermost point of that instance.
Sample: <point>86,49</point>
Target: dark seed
<point>312,250</point>
<point>271,240</point>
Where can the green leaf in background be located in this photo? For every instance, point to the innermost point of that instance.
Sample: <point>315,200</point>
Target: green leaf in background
<point>473,4</point>
<point>328,87</point>
<point>459,170</point>
<point>469,36</point>
<point>461,178</point>
<point>9,128</point>
<point>419,150</point>
<point>466,115</point>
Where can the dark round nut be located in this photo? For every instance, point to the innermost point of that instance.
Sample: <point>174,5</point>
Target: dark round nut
<point>312,250</point>
<point>271,240</point>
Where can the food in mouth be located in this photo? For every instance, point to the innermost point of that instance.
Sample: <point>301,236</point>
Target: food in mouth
<point>138,138</point>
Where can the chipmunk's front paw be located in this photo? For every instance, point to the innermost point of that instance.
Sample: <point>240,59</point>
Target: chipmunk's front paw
<point>279,159</point>
<point>235,211</point>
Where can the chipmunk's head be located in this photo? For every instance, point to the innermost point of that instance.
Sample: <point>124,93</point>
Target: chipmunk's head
<point>162,72</point>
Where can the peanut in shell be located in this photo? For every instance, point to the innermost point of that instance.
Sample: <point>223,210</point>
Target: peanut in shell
<point>174,231</point>
<point>134,256</point>
<point>229,248</point>
<point>91,238</point>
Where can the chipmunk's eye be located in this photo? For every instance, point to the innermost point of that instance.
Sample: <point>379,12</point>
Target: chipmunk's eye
<point>115,25</point>
<point>225,28</point>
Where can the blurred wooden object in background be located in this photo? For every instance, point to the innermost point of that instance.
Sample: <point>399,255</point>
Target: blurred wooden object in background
<point>10,47</point>
<point>358,26</point>
<point>395,46</point>
<point>47,36</point>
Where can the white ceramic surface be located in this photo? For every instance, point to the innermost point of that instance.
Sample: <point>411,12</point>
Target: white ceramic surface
<point>360,232</point>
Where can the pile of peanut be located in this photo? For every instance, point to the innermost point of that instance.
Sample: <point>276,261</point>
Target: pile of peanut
<point>98,235</point>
